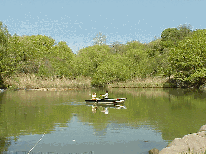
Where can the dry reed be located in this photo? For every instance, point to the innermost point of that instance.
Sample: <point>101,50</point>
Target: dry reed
<point>155,82</point>
<point>31,81</point>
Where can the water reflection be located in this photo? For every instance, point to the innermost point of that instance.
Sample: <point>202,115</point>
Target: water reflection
<point>105,107</point>
<point>153,115</point>
<point>106,111</point>
<point>120,107</point>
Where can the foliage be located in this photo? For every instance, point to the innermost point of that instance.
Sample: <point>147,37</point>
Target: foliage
<point>180,54</point>
<point>117,47</point>
<point>89,59</point>
<point>60,59</point>
<point>111,70</point>
<point>4,37</point>
<point>171,36</point>
<point>25,53</point>
<point>188,59</point>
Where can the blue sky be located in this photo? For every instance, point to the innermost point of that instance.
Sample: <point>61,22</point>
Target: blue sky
<point>78,21</point>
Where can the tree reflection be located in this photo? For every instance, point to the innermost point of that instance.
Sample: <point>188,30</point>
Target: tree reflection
<point>167,111</point>
<point>4,144</point>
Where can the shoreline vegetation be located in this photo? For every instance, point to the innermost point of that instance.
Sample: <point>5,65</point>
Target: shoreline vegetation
<point>32,82</point>
<point>177,59</point>
<point>151,82</point>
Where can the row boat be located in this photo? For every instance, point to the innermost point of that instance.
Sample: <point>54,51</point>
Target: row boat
<point>106,100</point>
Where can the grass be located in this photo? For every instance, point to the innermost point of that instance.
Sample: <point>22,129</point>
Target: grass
<point>31,81</point>
<point>155,82</point>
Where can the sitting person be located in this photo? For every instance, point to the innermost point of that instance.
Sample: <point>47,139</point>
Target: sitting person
<point>94,96</point>
<point>106,95</point>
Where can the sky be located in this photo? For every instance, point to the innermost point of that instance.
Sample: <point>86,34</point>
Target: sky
<point>77,22</point>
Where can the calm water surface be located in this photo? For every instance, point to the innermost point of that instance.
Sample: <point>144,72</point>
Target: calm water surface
<point>151,119</point>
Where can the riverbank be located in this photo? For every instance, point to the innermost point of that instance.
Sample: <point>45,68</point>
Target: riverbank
<point>31,81</point>
<point>150,82</point>
<point>189,144</point>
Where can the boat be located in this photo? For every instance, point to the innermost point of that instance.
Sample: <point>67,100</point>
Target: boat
<point>106,100</point>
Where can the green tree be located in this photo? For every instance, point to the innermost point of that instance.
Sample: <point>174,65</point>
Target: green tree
<point>154,48</point>
<point>4,35</point>
<point>88,59</point>
<point>10,59</point>
<point>112,69</point>
<point>117,47</point>
<point>61,58</point>
<point>184,30</point>
<point>27,53</point>
<point>4,41</point>
<point>134,45</point>
<point>160,48</point>
<point>171,36</point>
<point>138,63</point>
<point>188,60</point>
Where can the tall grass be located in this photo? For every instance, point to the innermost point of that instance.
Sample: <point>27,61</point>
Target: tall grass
<point>31,81</point>
<point>150,82</point>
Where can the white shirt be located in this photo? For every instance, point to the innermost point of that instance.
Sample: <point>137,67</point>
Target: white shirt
<point>106,95</point>
<point>94,96</point>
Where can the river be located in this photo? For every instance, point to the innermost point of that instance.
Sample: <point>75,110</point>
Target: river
<point>61,122</point>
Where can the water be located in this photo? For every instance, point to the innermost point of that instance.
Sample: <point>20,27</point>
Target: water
<point>151,118</point>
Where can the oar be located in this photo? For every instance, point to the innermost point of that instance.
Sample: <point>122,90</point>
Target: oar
<point>36,143</point>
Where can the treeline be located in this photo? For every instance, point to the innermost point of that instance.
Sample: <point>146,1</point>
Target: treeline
<point>179,54</point>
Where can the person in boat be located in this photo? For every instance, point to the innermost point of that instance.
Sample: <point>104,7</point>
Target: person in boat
<point>106,95</point>
<point>94,96</point>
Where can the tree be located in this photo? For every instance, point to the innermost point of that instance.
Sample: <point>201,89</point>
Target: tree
<point>188,60</point>
<point>117,47</point>
<point>60,59</point>
<point>4,40</point>
<point>4,34</point>
<point>171,36</point>
<point>100,39</point>
<point>27,53</point>
<point>112,69</point>
<point>184,30</point>
<point>88,59</point>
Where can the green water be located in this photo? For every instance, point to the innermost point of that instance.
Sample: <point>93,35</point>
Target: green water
<point>151,119</point>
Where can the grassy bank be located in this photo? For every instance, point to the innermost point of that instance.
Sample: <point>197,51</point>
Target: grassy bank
<point>30,81</point>
<point>155,82</point>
